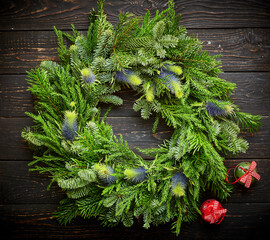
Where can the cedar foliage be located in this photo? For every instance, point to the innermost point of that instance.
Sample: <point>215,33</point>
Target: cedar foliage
<point>146,46</point>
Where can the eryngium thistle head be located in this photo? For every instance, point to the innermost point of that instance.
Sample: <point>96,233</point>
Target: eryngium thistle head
<point>179,184</point>
<point>128,76</point>
<point>214,110</point>
<point>88,76</point>
<point>105,173</point>
<point>172,82</point>
<point>70,127</point>
<point>136,175</point>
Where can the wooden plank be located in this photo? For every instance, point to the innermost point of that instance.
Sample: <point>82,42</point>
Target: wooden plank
<point>242,49</point>
<point>25,15</point>
<point>136,131</point>
<point>30,187</point>
<point>252,93</point>
<point>242,222</point>
<point>25,50</point>
<point>251,88</point>
<point>12,145</point>
<point>15,99</point>
<point>19,185</point>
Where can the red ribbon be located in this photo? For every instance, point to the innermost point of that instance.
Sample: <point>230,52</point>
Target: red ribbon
<point>215,214</point>
<point>247,177</point>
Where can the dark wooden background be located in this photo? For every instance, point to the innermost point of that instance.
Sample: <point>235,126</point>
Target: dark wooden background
<point>240,30</point>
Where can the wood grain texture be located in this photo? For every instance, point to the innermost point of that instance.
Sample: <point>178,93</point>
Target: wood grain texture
<point>244,221</point>
<point>15,99</point>
<point>242,49</point>
<point>43,14</point>
<point>26,186</point>
<point>252,95</point>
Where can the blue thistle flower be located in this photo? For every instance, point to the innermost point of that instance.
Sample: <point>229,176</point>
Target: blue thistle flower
<point>70,127</point>
<point>179,184</point>
<point>136,175</point>
<point>88,76</point>
<point>172,82</point>
<point>169,77</point>
<point>214,110</point>
<point>121,76</point>
<point>105,173</point>
<point>128,76</point>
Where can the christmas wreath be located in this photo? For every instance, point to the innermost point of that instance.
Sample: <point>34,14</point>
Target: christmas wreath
<point>176,80</point>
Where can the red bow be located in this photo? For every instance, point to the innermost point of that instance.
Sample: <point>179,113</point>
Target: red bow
<point>215,214</point>
<point>247,177</point>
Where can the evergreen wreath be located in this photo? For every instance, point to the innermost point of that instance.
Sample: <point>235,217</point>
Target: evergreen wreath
<point>177,81</point>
